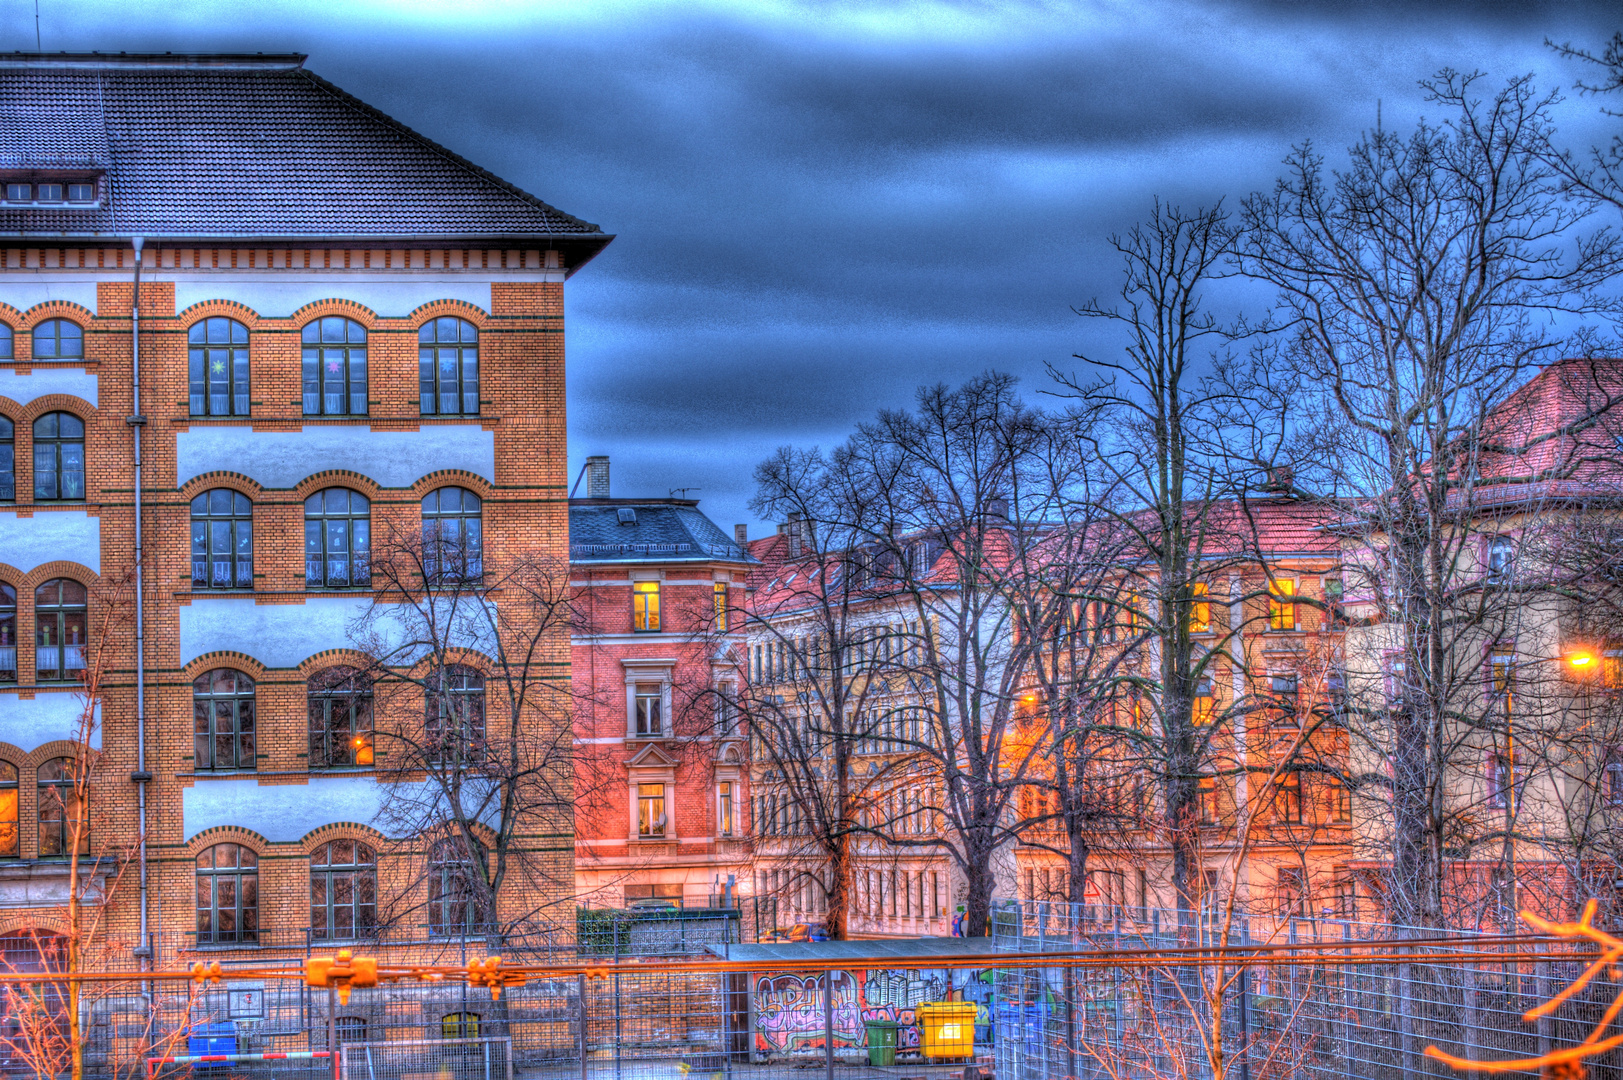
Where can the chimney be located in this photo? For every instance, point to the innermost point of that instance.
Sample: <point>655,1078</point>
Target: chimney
<point>997,509</point>
<point>741,535</point>
<point>1279,479</point>
<point>597,477</point>
<point>792,527</point>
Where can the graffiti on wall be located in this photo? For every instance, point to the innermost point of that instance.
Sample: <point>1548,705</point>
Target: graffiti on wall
<point>789,1008</point>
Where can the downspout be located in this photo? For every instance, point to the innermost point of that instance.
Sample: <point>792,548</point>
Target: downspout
<point>141,776</point>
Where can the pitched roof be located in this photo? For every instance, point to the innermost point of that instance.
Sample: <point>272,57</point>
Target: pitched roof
<point>658,531</point>
<point>247,146</point>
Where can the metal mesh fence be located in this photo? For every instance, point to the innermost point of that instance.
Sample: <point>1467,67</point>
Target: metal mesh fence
<point>488,1058</point>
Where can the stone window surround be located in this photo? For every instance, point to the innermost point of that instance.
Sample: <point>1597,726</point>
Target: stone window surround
<point>641,670</point>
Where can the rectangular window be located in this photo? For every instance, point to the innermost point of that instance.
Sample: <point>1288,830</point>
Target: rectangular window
<point>1210,811</point>
<point>1340,799</point>
<point>81,192</point>
<point>1143,898</point>
<point>721,607</point>
<point>1612,778</point>
<point>1397,681</point>
<point>1283,689</point>
<point>1611,669</point>
<point>1502,676</point>
<point>724,806</point>
<point>1291,891</point>
<point>1288,800</point>
<point>1334,595</point>
<point>1200,609</point>
<point>670,892</point>
<point>1282,605</point>
<point>650,701</point>
<point>645,607</point>
<point>1504,782</point>
<point>651,810</point>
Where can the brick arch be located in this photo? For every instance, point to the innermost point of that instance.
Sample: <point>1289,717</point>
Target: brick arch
<point>463,657</point>
<point>78,406</point>
<point>59,569</point>
<point>434,309</point>
<point>11,316</point>
<point>453,478</point>
<point>12,754</point>
<point>343,478</point>
<point>343,830</point>
<point>52,309</point>
<point>327,658</point>
<point>206,309</point>
<point>224,834</point>
<point>56,748</point>
<point>34,920</point>
<point>315,309</point>
<point>12,576</point>
<point>208,481</point>
<point>427,838</point>
<point>236,661</point>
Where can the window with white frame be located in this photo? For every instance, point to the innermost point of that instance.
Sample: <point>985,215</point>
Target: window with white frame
<point>651,817</point>
<point>648,711</point>
<point>725,824</point>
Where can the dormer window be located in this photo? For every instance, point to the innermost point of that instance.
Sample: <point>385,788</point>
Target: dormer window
<point>49,193</point>
<point>627,515</point>
<point>19,193</point>
<point>81,192</point>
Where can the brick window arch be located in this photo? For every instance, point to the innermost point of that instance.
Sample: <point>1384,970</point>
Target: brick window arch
<point>59,339</point>
<point>10,791</point>
<point>227,894</point>
<point>8,460</point>
<point>59,457</point>
<point>57,808</point>
<point>340,700</point>
<point>223,722</point>
<point>217,349</point>
<point>222,540</point>
<point>337,539</point>
<point>61,630</point>
<point>8,634</point>
<point>448,367</point>
<point>453,535</point>
<point>343,891</point>
<point>334,367</point>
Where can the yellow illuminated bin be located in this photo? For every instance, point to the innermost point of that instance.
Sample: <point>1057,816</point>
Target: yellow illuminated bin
<point>949,1030</point>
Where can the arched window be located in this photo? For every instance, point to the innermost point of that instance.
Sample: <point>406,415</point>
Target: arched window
<point>223,720</point>
<point>7,349</point>
<point>58,808</point>
<point>62,630</point>
<point>452,536</point>
<point>58,339</point>
<point>8,633</point>
<point>453,896</point>
<point>335,367</point>
<point>59,457</point>
<point>33,951</point>
<point>448,366</point>
<point>227,895</point>
<point>340,718</point>
<point>459,1025</point>
<point>343,891</point>
<point>222,540</point>
<point>455,700</point>
<point>219,367</point>
<point>9,792</point>
<point>337,539</point>
<point>8,461</point>
<point>350,1029</point>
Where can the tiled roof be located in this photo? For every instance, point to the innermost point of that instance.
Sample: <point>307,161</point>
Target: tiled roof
<point>245,146</point>
<point>662,531</point>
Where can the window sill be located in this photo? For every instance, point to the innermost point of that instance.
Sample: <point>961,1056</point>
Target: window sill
<point>342,770</point>
<point>226,946</point>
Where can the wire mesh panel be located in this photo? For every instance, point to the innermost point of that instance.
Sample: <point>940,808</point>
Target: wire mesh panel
<point>487,1058</point>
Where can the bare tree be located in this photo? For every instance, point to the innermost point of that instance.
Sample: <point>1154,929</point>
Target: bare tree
<point>1416,287</point>
<point>472,728</point>
<point>1598,176</point>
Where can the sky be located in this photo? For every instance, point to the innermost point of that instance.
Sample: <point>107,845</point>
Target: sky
<point>820,207</point>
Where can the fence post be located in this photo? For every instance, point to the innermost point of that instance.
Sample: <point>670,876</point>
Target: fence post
<point>1544,989</point>
<point>1468,1000</point>
<point>1245,1005</point>
<point>1405,997</point>
<point>828,1024</point>
<point>585,1044</point>
<point>332,1028</point>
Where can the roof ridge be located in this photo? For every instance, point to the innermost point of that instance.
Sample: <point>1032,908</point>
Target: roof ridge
<point>276,61</point>
<point>452,156</point>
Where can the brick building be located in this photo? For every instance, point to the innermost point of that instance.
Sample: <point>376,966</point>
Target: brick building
<point>660,775</point>
<point>346,334</point>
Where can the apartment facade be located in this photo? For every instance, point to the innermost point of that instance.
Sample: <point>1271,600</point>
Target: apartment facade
<point>346,337</point>
<point>661,772</point>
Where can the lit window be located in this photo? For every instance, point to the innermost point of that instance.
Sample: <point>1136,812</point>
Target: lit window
<point>1502,675</point>
<point>337,539</point>
<point>58,809</point>
<point>455,714</point>
<point>1209,809</point>
<point>343,891</point>
<point>649,702</point>
<point>59,457</point>
<point>62,631</point>
<point>1611,669</point>
<point>227,895</point>
<point>1282,605</point>
<point>645,606</point>
<point>1200,609</point>
<point>8,468</point>
<point>9,791</point>
<point>58,339</point>
<point>223,720</point>
<point>721,606</point>
<point>222,540</point>
<point>334,367</point>
<point>218,363</point>
<point>8,633</point>
<point>448,367</point>
<point>651,810</point>
<point>460,1025</point>
<point>340,701</point>
<point>724,806</point>
<point>453,533</point>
